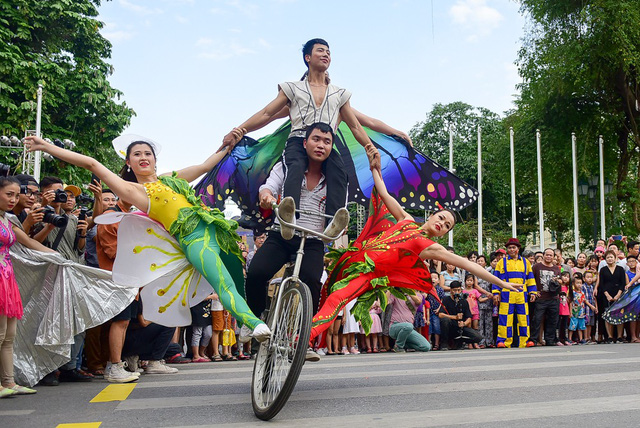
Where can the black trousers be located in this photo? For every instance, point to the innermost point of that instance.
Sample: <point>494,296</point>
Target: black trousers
<point>149,343</point>
<point>296,161</point>
<point>549,311</point>
<point>450,331</point>
<point>268,260</point>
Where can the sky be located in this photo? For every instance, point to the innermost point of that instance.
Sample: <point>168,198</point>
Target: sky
<point>194,69</point>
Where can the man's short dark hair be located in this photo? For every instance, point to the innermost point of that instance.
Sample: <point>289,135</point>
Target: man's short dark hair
<point>48,181</point>
<point>308,47</point>
<point>26,180</point>
<point>631,256</point>
<point>455,284</point>
<point>322,127</point>
<point>632,244</point>
<point>108,191</point>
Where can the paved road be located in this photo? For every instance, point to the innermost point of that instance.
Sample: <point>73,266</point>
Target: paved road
<point>581,386</point>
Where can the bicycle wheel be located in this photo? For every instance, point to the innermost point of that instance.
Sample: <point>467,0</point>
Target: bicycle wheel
<point>279,360</point>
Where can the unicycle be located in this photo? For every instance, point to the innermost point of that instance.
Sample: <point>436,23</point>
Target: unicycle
<point>280,359</point>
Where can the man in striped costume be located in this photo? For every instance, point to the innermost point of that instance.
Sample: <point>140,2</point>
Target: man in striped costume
<point>516,270</point>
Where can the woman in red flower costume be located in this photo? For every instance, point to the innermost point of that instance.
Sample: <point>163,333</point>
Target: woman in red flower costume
<point>388,255</point>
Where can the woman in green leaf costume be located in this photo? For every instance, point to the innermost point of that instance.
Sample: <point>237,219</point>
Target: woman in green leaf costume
<point>203,235</point>
<point>389,256</point>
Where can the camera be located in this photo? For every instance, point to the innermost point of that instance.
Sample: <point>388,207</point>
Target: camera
<point>85,200</point>
<point>4,170</point>
<point>84,213</point>
<point>51,217</point>
<point>60,196</point>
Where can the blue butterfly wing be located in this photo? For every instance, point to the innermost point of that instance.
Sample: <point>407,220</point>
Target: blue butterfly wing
<point>414,179</point>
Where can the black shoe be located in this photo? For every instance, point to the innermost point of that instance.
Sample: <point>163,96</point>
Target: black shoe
<point>73,376</point>
<point>49,380</point>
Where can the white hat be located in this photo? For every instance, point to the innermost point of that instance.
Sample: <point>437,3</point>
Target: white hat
<point>122,143</point>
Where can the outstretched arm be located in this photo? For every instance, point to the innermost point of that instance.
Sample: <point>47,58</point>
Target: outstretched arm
<point>274,110</point>
<point>347,114</point>
<point>129,192</point>
<point>31,243</point>
<point>379,126</point>
<point>191,173</point>
<point>438,252</point>
<point>392,204</point>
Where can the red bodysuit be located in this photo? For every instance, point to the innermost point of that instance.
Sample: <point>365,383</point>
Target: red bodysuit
<point>393,247</point>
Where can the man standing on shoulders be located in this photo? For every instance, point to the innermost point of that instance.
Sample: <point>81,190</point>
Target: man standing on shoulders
<point>516,270</point>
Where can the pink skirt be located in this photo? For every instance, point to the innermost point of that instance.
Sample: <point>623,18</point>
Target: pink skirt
<point>10,300</point>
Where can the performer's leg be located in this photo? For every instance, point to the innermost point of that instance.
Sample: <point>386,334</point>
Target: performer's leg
<point>505,319</point>
<point>295,162</point>
<point>311,269</point>
<point>522,311</point>
<point>268,260</point>
<point>336,178</point>
<point>202,250</point>
<point>336,302</point>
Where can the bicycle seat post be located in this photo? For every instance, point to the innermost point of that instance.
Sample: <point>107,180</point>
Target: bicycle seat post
<point>299,256</point>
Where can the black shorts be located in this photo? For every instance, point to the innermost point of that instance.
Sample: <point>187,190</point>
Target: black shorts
<point>129,313</point>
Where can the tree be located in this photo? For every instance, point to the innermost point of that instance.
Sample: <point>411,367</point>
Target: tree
<point>580,62</point>
<point>57,43</point>
<point>432,137</point>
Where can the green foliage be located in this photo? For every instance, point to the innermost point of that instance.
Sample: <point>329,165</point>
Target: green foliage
<point>57,43</point>
<point>579,61</point>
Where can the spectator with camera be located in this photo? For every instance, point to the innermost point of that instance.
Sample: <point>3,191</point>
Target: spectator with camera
<point>66,234</point>
<point>61,231</point>
<point>455,320</point>
<point>547,276</point>
<point>28,210</point>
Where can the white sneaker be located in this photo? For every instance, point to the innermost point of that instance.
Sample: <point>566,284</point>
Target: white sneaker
<point>311,355</point>
<point>260,333</point>
<point>131,364</point>
<point>159,367</point>
<point>322,352</point>
<point>287,210</point>
<point>117,374</point>
<point>338,223</point>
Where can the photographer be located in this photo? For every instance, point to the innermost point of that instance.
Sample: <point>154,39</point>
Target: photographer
<point>28,209</point>
<point>547,275</point>
<point>61,230</point>
<point>65,233</point>
<point>455,324</point>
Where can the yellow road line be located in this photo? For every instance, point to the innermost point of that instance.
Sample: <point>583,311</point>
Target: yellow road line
<point>117,392</point>
<point>80,425</point>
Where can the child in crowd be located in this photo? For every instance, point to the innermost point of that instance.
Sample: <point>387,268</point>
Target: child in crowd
<point>578,312</point>
<point>591,309</point>
<point>449,275</point>
<point>593,263</point>
<point>485,307</point>
<point>474,296</point>
<point>421,317</point>
<point>349,329</point>
<point>229,324</point>
<point>371,340</point>
<point>201,330</point>
<point>632,263</point>
<point>434,320</point>
<point>566,295</point>
<point>217,324</point>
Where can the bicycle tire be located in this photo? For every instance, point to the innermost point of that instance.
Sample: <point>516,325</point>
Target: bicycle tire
<point>280,359</point>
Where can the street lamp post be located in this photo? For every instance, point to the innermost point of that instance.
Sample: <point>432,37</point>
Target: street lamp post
<point>589,188</point>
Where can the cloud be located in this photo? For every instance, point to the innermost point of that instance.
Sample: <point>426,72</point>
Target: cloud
<point>476,16</point>
<point>140,10</point>
<point>218,50</point>
<point>181,19</point>
<point>250,10</point>
<point>115,35</point>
